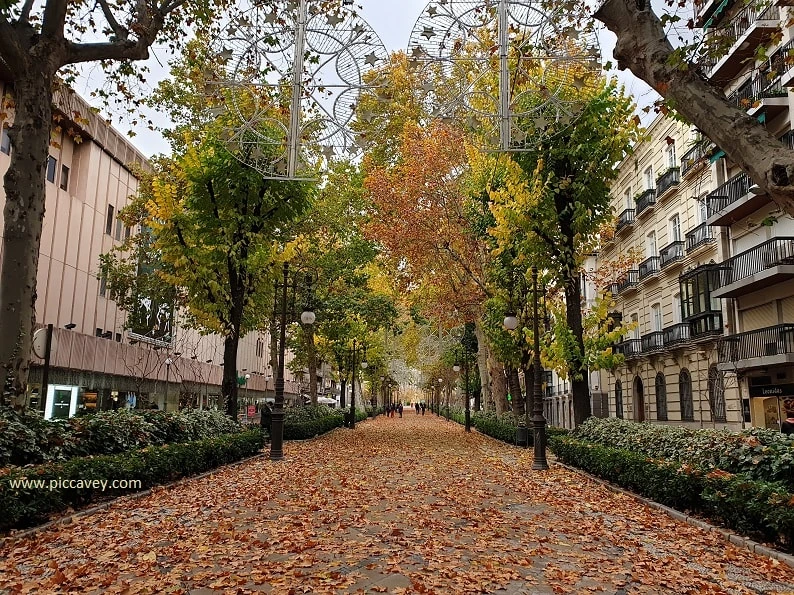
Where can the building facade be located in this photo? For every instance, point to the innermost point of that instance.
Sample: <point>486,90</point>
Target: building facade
<point>96,362</point>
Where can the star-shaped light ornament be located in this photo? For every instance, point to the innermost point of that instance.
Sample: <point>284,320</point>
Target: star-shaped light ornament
<point>271,17</point>
<point>334,19</point>
<point>371,59</point>
<point>366,115</point>
<point>428,86</point>
<point>225,55</point>
<point>578,83</point>
<point>432,11</point>
<point>418,51</point>
<point>428,32</point>
<point>329,152</point>
<point>540,123</point>
<point>358,30</point>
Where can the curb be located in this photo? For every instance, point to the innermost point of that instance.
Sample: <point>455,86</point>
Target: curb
<point>738,540</point>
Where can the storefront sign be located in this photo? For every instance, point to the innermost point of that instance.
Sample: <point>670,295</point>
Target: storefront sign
<point>772,390</point>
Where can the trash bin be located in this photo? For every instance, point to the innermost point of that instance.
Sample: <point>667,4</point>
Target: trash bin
<point>522,436</point>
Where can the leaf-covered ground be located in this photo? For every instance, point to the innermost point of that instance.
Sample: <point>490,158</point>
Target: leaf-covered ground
<point>411,505</point>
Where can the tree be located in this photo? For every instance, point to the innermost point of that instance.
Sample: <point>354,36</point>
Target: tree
<point>645,49</point>
<point>39,42</point>
<point>549,211</point>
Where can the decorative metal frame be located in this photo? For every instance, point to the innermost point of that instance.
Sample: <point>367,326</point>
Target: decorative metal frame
<point>460,40</point>
<point>307,63</point>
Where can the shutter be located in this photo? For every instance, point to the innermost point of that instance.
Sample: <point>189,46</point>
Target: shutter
<point>759,317</point>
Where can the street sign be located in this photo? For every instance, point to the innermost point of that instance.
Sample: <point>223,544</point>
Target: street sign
<point>251,410</point>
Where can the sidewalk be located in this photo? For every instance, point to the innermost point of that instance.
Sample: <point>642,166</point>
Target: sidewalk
<point>411,505</point>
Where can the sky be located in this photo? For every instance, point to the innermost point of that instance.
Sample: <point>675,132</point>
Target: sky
<point>393,22</point>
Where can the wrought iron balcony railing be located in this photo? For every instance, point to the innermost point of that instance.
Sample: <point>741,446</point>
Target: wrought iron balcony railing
<point>731,191</point>
<point>696,155</point>
<point>774,252</point>
<point>652,342</point>
<point>629,348</point>
<point>667,180</point>
<point>671,253</point>
<point>702,234</point>
<point>677,334</point>
<point>625,219</point>
<point>705,325</point>
<point>648,267</point>
<point>631,279</point>
<point>645,200</point>
<point>765,342</point>
<point>764,86</point>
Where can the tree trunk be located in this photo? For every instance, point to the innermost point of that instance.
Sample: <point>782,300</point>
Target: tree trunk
<point>23,216</point>
<point>643,47</point>
<point>529,382</point>
<point>515,392</point>
<point>580,390</point>
<point>498,401</point>
<point>229,386</point>
<point>483,397</point>
<point>311,354</point>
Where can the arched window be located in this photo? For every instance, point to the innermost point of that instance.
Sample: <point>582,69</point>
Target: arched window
<point>661,398</point>
<point>717,395</point>
<point>618,399</point>
<point>685,395</point>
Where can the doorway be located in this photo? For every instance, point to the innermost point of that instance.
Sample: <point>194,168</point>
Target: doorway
<point>639,400</point>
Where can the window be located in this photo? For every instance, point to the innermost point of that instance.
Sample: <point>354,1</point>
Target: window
<point>64,177</point>
<point>670,153</point>
<point>677,308</point>
<point>103,286</point>
<point>52,164</point>
<point>119,226</point>
<point>675,228</point>
<point>635,333</point>
<point>109,221</point>
<point>685,395</point>
<point>5,141</point>
<point>656,317</point>
<point>628,198</point>
<point>650,244</point>
<point>661,398</point>
<point>127,232</point>
<point>99,332</point>
<point>648,178</point>
<point>618,399</point>
<point>717,395</point>
<point>703,212</point>
<point>118,337</point>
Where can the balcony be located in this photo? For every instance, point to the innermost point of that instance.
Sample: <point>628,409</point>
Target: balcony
<point>614,288</point>
<point>629,281</point>
<point>705,326</point>
<point>648,267</point>
<point>751,27</point>
<point>760,348</point>
<point>699,236</point>
<point>652,342</point>
<point>696,157</point>
<point>630,348</point>
<point>761,266</point>
<point>782,63</point>
<point>645,202</point>
<point>667,180</point>
<point>764,93</point>
<point>733,201</point>
<point>625,219</point>
<point>676,335</point>
<point>708,13</point>
<point>671,254</point>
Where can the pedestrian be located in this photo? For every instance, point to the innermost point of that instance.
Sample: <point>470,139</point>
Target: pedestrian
<point>422,406</point>
<point>787,426</point>
<point>416,406</point>
<point>400,408</point>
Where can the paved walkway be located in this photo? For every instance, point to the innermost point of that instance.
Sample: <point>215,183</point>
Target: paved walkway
<point>411,505</point>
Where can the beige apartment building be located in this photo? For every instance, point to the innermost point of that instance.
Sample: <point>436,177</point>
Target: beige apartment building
<point>711,292</point>
<point>96,363</point>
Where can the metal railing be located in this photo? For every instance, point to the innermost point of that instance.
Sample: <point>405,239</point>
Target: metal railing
<point>653,341</point>
<point>648,267</point>
<point>645,200</point>
<point>677,334</point>
<point>700,235</point>
<point>667,180</point>
<point>671,253</point>
<point>631,279</point>
<point>788,139</point>
<point>783,58</point>
<point>705,325</point>
<point>761,87</point>
<point>765,342</point>
<point>625,219</point>
<point>731,191</point>
<point>744,19</point>
<point>629,348</point>
<point>695,155</point>
<point>774,252</point>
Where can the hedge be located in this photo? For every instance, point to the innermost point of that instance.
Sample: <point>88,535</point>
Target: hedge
<point>23,507</point>
<point>305,422</point>
<point>758,453</point>
<point>26,438</point>
<point>759,509</point>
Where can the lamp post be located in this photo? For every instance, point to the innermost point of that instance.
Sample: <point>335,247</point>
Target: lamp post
<point>438,396</point>
<point>539,462</point>
<point>168,362</point>
<point>307,317</point>
<point>247,377</point>
<point>456,368</point>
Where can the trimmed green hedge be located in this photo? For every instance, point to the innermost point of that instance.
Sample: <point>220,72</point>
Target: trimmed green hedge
<point>504,427</point>
<point>301,423</point>
<point>755,508</point>
<point>155,465</point>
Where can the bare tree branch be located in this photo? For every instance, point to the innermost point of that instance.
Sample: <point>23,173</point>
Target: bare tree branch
<point>119,50</point>
<point>121,33</point>
<point>24,15</point>
<point>54,19</point>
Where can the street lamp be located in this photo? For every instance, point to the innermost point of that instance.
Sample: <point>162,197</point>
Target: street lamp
<point>438,397</point>
<point>168,362</point>
<point>247,376</point>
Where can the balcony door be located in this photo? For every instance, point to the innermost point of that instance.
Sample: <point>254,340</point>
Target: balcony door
<point>675,228</point>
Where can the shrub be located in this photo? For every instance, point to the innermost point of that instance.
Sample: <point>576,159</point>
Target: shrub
<point>308,421</point>
<point>756,508</point>
<point>26,438</point>
<point>154,465</point>
<point>759,454</point>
